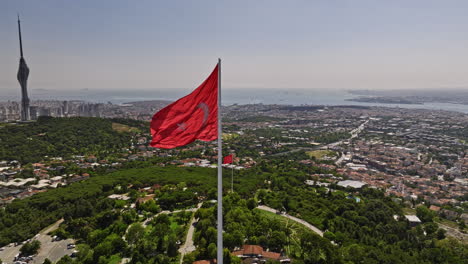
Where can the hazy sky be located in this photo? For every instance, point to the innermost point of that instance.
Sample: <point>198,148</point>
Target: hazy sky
<point>112,44</point>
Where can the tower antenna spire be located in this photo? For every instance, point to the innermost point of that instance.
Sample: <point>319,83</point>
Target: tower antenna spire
<point>19,33</point>
<point>23,74</point>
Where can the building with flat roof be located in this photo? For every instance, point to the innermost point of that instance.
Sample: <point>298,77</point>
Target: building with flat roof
<point>413,220</point>
<point>352,184</point>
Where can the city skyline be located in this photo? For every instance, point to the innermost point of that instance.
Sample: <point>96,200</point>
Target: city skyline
<point>153,45</point>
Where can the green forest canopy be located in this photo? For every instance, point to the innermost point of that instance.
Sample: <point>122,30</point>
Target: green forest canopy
<point>61,137</point>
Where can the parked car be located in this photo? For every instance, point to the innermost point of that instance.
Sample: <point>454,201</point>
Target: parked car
<point>74,254</point>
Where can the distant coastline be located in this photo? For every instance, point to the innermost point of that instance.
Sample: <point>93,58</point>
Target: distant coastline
<point>385,100</point>
<point>423,96</point>
<point>425,99</point>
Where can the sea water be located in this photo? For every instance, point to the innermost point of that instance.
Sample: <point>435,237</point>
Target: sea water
<point>229,96</point>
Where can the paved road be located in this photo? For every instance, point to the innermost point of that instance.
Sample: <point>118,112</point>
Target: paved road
<point>189,246</point>
<point>300,221</point>
<point>354,133</point>
<point>145,223</point>
<point>51,250</point>
<point>454,232</point>
<point>340,159</point>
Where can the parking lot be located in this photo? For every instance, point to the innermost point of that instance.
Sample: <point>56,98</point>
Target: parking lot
<point>53,250</point>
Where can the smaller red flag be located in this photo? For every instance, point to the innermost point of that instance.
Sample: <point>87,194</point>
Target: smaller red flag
<point>227,159</point>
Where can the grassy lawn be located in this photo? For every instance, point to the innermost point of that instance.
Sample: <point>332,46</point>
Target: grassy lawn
<point>320,154</point>
<point>227,136</point>
<point>293,248</point>
<point>181,229</point>
<point>123,128</point>
<point>174,225</point>
<point>446,222</point>
<point>409,211</point>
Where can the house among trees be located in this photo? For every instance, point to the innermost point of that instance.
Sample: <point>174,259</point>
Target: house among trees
<point>205,262</point>
<point>464,217</point>
<point>450,215</point>
<point>145,199</point>
<point>255,254</point>
<point>413,220</point>
<point>434,208</point>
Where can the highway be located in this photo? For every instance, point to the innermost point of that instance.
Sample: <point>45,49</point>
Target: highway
<point>354,133</point>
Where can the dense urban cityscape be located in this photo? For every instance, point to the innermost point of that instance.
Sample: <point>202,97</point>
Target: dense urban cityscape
<point>328,132</point>
<point>413,157</point>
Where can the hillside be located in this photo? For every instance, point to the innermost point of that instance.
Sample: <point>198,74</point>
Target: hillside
<point>62,137</point>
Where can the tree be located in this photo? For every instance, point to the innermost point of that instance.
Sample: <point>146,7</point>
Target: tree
<point>461,225</point>
<point>46,261</point>
<point>211,235</point>
<point>228,258</point>
<point>424,213</point>
<point>189,258</point>
<point>172,246</point>
<point>251,203</point>
<point>162,219</point>
<point>430,228</point>
<point>104,249</point>
<point>440,234</point>
<point>65,260</point>
<point>135,233</point>
<point>228,240</point>
<point>354,253</point>
<point>329,235</point>
<point>277,240</point>
<point>30,248</point>
<point>211,250</point>
<point>85,253</point>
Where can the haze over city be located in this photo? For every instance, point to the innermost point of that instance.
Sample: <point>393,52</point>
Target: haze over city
<point>146,45</point>
<point>235,132</point>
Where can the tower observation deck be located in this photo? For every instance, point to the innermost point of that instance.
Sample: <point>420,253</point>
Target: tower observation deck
<point>23,74</point>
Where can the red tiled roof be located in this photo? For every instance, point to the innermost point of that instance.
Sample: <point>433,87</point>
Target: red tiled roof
<point>252,250</point>
<point>145,199</point>
<point>256,251</point>
<point>271,255</point>
<point>205,262</point>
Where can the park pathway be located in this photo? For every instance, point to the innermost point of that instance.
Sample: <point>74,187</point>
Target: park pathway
<point>300,221</point>
<point>188,245</point>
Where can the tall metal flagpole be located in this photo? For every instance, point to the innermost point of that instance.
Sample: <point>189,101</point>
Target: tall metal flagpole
<point>220,173</point>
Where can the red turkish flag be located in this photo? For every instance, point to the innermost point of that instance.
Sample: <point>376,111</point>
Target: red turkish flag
<point>227,159</point>
<point>192,117</point>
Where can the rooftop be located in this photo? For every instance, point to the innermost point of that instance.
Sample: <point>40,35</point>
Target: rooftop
<point>353,184</point>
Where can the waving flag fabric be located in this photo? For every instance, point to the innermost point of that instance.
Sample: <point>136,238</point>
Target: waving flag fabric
<point>228,159</point>
<point>190,118</point>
